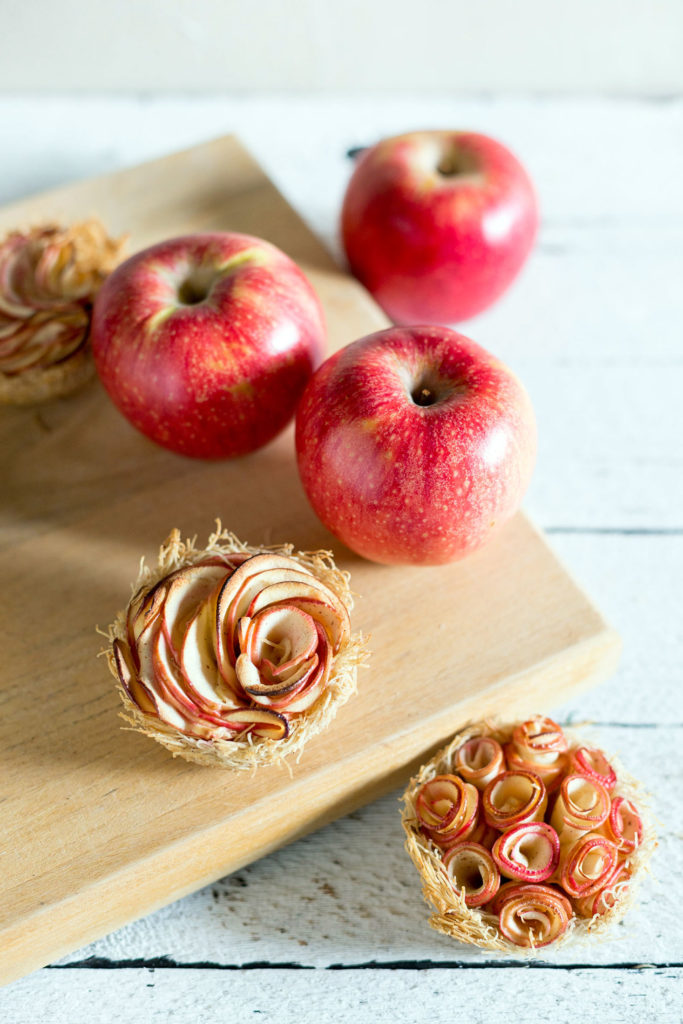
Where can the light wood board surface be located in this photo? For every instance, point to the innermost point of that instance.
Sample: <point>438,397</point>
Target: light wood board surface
<point>101,826</point>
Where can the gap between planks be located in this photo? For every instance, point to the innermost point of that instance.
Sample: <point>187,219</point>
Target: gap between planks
<point>99,963</point>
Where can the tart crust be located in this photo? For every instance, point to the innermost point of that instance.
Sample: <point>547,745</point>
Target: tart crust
<point>253,752</point>
<point>475,926</point>
<point>42,385</point>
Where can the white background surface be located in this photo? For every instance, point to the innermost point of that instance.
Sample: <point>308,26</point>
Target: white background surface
<point>614,46</point>
<point>333,927</point>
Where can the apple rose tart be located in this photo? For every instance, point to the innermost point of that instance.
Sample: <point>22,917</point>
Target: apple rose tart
<point>524,837</point>
<point>235,655</point>
<point>49,277</point>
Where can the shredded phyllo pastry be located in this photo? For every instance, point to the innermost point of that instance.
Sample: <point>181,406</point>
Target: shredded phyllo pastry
<point>49,277</point>
<point>235,655</point>
<point>524,837</point>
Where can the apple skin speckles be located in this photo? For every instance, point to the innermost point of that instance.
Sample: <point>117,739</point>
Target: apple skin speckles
<point>437,224</point>
<point>206,342</point>
<point>414,445</point>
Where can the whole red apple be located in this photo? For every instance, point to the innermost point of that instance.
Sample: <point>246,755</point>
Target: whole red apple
<point>437,224</point>
<point>206,342</point>
<point>414,445</point>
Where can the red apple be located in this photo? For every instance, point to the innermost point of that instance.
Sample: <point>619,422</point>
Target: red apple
<point>414,445</point>
<point>206,342</point>
<point>437,224</point>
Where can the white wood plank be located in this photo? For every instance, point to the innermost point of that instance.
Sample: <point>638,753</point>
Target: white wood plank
<point>345,997</point>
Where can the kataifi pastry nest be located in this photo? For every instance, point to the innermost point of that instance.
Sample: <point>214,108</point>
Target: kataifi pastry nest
<point>287,629</point>
<point>49,277</point>
<point>477,925</point>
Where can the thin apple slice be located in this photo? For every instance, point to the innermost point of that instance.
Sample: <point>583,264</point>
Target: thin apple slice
<point>243,631</point>
<point>129,680</point>
<point>190,588</point>
<point>265,722</point>
<point>166,707</point>
<point>144,609</point>
<point>198,662</point>
<point>247,673</point>
<point>167,674</point>
<point>265,692</point>
<point>311,692</point>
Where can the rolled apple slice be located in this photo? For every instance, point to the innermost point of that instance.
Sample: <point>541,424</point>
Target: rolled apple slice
<point>539,745</point>
<point>446,808</point>
<point>594,765</point>
<point>49,277</point>
<point>623,825</point>
<point>479,761</point>
<point>582,805</point>
<point>528,853</point>
<point>472,871</point>
<point>221,675</point>
<point>513,798</point>
<point>586,864</point>
<point>532,916</point>
<point>601,902</point>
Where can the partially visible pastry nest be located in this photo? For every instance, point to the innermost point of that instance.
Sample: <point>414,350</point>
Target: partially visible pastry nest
<point>524,837</point>
<point>235,655</point>
<point>49,277</point>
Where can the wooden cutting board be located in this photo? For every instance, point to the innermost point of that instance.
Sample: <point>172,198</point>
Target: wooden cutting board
<point>98,825</point>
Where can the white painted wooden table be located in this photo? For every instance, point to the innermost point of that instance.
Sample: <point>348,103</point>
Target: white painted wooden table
<point>334,927</point>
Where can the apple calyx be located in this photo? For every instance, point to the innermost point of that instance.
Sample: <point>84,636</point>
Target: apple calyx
<point>231,646</point>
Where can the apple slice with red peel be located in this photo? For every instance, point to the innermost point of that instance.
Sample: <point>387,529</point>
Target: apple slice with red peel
<point>190,588</point>
<point>264,692</point>
<point>266,722</point>
<point>168,687</point>
<point>167,709</point>
<point>322,605</point>
<point>315,686</point>
<point>129,680</point>
<point>167,675</point>
<point>243,630</point>
<point>198,662</point>
<point>143,609</point>
<point>248,675</point>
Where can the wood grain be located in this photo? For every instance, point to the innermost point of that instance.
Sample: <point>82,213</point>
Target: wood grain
<point>101,826</point>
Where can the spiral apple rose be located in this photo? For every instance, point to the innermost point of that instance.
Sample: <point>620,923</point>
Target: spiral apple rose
<point>586,864</point>
<point>513,798</point>
<point>531,915</point>
<point>472,870</point>
<point>593,764</point>
<point>49,277</point>
<point>539,746</point>
<point>222,649</point>
<point>582,805</point>
<point>601,902</point>
<point>623,825</point>
<point>446,808</point>
<point>479,761</point>
<point>529,852</point>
